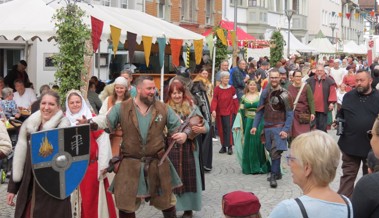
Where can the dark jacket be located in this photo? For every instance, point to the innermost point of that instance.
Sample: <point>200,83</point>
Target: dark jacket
<point>359,113</point>
<point>15,74</point>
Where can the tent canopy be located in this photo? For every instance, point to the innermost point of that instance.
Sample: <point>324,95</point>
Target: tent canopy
<point>295,44</point>
<point>34,20</point>
<point>351,47</point>
<point>323,46</point>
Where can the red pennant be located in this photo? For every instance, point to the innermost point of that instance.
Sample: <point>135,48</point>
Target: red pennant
<point>348,15</point>
<point>372,13</point>
<point>176,46</point>
<point>97,30</point>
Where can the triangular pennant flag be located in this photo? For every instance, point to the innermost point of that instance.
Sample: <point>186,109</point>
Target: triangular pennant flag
<point>221,36</point>
<point>340,14</point>
<point>233,37</point>
<point>356,15</point>
<point>372,13</point>
<point>162,47</point>
<point>348,15</point>
<point>333,13</point>
<point>131,37</point>
<point>115,34</point>
<point>210,43</point>
<point>176,46</point>
<point>198,46</point>
<point>364,15</point>
<point>147,40</point>
<point>97,30</point>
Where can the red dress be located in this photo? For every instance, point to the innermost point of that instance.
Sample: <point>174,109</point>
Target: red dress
<point>225,103</point>
<point>89,187</point>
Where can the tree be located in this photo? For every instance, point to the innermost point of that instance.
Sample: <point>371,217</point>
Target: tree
<point>276,47</point>
<point>72,35</point>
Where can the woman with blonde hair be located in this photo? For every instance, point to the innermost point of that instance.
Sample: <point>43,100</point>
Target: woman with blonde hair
<point>313,160</point>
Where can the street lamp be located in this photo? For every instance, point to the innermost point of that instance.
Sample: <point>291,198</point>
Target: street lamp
<point>359,35</point>
<point>289,14</point>
<point>333,26</point>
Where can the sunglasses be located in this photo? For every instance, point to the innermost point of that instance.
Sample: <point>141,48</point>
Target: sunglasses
<point>369,134</point>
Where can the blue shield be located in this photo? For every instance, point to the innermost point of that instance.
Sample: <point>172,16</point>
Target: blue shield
<point>60,159</point>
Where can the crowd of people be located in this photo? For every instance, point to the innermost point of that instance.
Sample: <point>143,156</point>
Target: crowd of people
<point>162,149</point>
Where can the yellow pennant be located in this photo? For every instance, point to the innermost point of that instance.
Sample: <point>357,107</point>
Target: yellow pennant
<point>198,46</point>
<point>221,36</point>
<point>356,15</point>
<point>233,36</point>
<point>147,40</point>
<point>115,34</point>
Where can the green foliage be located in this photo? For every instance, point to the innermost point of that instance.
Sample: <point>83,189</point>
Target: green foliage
<point>221,50</point>
<point>72,35</point>
<point>276,47</point>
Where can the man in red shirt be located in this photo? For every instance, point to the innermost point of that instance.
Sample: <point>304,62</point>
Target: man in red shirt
<point>325,96</point>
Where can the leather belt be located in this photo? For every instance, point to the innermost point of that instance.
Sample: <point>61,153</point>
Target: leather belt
<point>274,126</point>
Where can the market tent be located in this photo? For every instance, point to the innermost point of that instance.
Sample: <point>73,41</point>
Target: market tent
<point>242,36</point>
<point>351,47</point>
<point>32,19</point>
<point>323,46</point>
<point>295,44</point>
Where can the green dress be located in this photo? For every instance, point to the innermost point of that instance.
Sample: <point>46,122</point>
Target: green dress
<point>254,159</point>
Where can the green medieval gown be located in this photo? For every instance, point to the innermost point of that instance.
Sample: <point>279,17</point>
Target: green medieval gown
<point>254,159</point>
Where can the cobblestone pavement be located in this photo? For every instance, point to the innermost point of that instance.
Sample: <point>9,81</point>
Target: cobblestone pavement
<point>226,176</point>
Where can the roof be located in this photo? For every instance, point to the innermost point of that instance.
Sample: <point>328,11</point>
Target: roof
<point>34,20</point>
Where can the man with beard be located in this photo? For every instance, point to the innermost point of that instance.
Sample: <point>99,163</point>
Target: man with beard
<point>276,107</point>
<point>143,120</point>
<point>360,107</point>
<point>325,95</point>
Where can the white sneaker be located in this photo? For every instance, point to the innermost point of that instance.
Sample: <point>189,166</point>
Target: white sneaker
<point>214,139</point>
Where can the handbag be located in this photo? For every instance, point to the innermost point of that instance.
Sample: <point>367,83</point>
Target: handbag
<point>302,117</point>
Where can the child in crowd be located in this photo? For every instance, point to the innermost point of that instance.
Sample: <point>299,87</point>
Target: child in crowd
<point>241,204</point>
<point>341,91</point>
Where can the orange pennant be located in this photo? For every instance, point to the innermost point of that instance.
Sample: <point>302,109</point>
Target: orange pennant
<point>372,13</point>
<point>176,46</point>
<point>115,34</point>
<point>356,15</point>
<point>340,14</point>
<point>147,48</point>
<point>198,45</point>
<point>221,36</point>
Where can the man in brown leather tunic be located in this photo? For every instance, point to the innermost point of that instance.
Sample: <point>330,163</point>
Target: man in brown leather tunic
<point>139,177</point>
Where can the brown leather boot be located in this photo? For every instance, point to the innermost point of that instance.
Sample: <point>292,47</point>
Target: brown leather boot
<point>169,213</point>
<point>187,214</point>
<point>122,214</point>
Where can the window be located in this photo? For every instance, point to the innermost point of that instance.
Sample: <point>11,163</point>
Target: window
<point>295,5</point>
<point>124,3</point>
<point>239,2</point>
<point>209,12</point>
<point>279,7</point>
<point>188,11</point>
<point>252,3</point>
<point>161,8</point>
<point>107,3</point>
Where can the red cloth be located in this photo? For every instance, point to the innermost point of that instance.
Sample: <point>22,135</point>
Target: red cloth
<point>240,204</point>
<point>349,80</point>
<point>89,187</point>
<point>318,97</point>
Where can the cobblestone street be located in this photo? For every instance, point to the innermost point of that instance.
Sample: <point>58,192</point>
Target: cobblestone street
<point>226,176</point>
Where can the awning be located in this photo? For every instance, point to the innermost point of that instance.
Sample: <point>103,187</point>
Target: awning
<point>32,19</point>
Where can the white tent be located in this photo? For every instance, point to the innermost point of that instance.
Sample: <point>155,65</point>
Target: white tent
<point>323,46</point>
<point>33,19</point>
<point>295,44</point>
<point>351,47</point>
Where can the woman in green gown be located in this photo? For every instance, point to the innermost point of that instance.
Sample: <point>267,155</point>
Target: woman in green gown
<point>254,160</point>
